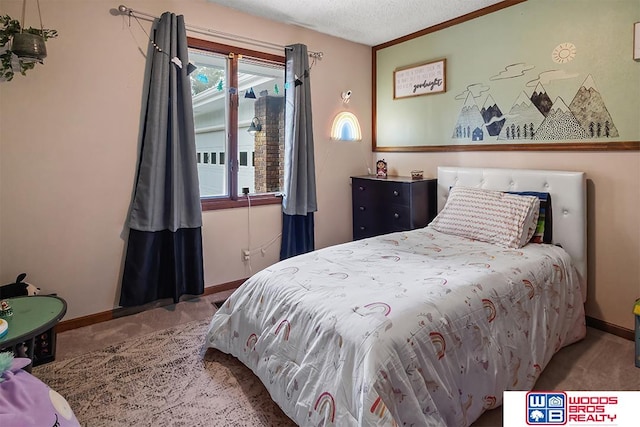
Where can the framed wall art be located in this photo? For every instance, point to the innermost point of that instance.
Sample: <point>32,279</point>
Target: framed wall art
<point>420,79</point>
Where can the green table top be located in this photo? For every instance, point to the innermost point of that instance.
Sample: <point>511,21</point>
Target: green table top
<point>32,315</point>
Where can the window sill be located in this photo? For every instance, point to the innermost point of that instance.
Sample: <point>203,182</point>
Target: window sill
<point>212,204</point>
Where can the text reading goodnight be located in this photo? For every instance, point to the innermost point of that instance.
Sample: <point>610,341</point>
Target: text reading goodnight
<point>433,83</point>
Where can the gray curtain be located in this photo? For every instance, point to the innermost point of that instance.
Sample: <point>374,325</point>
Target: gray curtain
<point>299,201</point>
<point>164,251</point>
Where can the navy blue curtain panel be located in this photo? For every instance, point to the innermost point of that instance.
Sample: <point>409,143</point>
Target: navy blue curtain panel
<point>162,264</point>
<point>299,199</point>
<point>297,235</point>
<point>164,250</point>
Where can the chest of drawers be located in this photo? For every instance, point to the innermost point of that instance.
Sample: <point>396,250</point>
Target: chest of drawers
<point>385,205</point>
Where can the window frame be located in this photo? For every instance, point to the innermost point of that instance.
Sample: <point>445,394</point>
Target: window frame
<point>233,200</point>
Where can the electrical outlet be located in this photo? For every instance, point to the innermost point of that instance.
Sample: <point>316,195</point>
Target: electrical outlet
<point>245,254</point>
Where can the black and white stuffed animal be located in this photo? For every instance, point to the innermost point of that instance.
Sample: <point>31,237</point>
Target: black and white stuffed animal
<point>18,288</point>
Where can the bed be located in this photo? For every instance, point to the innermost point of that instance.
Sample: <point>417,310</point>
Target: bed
<point>422,327</point>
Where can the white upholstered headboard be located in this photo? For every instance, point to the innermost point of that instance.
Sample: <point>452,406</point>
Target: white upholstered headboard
<point>568,199</point>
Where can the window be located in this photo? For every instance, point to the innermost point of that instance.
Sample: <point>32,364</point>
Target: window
<point>199,157</point>
<point>233,88</point>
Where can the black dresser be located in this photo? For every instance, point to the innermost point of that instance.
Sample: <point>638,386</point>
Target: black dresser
<point>385,205</point>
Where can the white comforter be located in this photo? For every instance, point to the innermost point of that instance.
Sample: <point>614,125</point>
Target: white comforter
<point>412,328</point>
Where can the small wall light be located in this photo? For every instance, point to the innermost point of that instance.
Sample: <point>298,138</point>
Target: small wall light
<point>346,96</point>
<point>255,126</point>
<point>346,127</point>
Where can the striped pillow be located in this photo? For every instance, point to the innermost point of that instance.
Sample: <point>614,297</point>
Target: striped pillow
<point>496,217</point>
<point>544,231</point>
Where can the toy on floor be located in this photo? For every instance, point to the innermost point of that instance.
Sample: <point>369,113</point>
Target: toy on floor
<point>4,327</point>
<point>18,288</point>
<point>28,402</point>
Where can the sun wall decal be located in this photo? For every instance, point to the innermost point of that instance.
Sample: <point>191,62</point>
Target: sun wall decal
<point>564,53</point>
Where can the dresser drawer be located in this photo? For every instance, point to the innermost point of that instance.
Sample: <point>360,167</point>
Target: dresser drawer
<point>363,209</point>
<point>396,193</point>
<point>364,192</point>
<point>397,218</point>
<point>364,229</point>
<point>385,205</point>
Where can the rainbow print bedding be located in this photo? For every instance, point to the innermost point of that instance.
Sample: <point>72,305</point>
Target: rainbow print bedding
<point>412,328</point>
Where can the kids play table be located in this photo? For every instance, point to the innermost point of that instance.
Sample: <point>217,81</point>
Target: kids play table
<point>33,317</point>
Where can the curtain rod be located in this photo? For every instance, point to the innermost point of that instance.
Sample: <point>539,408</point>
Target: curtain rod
<point>124,10</point>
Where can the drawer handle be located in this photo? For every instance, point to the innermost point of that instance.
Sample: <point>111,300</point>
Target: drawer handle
<point>362,228</point>
<point>362,208</point>
<point>396,215</point>
<point>395,192</point>
<point>361,188</point>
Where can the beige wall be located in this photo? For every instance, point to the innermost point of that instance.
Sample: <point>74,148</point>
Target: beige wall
<point>68,149</point>
<point>613,180</point>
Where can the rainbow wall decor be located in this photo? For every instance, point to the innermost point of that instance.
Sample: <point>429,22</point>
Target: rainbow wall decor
<point>346,127</point>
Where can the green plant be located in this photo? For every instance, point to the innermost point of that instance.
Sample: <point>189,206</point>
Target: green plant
<point>9,62</point>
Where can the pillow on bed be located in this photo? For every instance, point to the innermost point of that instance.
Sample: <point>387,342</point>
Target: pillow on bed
<point>544,230</point>
<point>496,217</point>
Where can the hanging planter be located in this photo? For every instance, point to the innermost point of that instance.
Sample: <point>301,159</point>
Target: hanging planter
<point>27,46</point>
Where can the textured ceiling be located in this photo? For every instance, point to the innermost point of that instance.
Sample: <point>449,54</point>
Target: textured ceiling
<point>370,22</point>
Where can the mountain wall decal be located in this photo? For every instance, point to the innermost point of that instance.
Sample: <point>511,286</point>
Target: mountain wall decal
<point>589,109</point>
<point>560,123</point>
<point>522,121</point>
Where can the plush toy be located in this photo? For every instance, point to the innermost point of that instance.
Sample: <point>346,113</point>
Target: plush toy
<point>26,401</point>
<point>18,288</point>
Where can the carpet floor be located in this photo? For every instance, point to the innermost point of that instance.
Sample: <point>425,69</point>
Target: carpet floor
<point>151,368</point>
<point>162,378</point>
